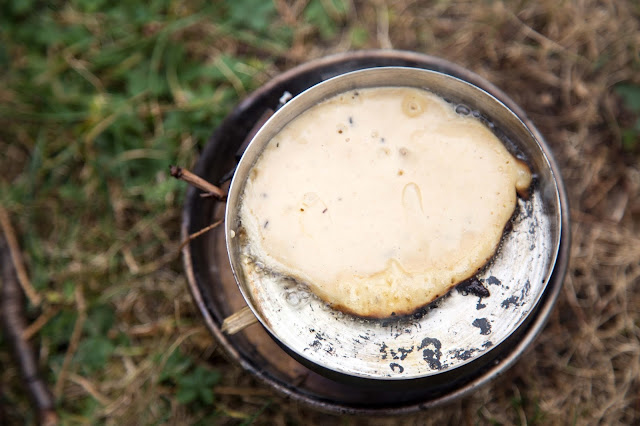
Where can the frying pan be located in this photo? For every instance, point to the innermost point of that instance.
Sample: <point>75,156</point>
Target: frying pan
<point>460,333</point>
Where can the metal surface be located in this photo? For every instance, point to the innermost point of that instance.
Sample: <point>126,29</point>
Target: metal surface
<point>216,294</point>
<point>455,331</point>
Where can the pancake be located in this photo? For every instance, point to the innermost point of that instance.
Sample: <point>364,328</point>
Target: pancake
<point>380,200</point>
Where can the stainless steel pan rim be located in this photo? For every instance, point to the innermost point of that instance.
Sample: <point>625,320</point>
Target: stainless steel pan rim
<point>545,195</point>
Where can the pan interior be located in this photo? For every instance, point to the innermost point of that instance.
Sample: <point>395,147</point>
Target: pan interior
<point>458,328</point>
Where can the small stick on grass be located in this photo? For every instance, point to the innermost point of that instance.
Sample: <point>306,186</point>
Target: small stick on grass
<point>195,180</point>
<point>40,322</point>
<point>16,257</point>
<point>14,324</point>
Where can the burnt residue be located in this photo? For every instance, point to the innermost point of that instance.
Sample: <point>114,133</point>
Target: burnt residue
<point>517,300</point>
<point>483,324</point>
<point>329,350</point>
<point>473,286</point>
<point>431,352</point>
<point>317,343</point>
<point>512,300</point>
<point>463,354</point>
<point>508,227</point>
<point>383,351</point>
<point>396,354</point>
<point>493,281</point>
<point>527,210</point>
<point>401,353</point>
<point>398,367</point>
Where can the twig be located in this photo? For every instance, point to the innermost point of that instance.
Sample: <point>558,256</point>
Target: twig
<point>238,321</point>
<point>16,257</point>
<point>90,388</point>
<point>200,232</point>
<point>14,325</point>
<point>40,322</point>
<point>195,180</point>
<point>73,342</point>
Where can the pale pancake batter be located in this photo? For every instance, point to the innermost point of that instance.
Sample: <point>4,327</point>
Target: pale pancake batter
<point>380,200</point>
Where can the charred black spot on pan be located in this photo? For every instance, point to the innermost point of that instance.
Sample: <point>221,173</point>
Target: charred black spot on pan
<point>483,324</point>
<point>464,355</point>
<point>509,226</point>
<point>266,223</point>
<point>401,353</point>
<point>419,314</point>
<point>473,286</point>
<point>325,210</point>
<point>351,121</point>
<point>383,351</point>
<point>395,367</point>
<point>517,300</point>
<point>512,300</point>
<point>431,352</point>
<point>528,209</point>
<point>493,281</point>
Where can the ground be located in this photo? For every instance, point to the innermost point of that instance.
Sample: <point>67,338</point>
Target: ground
<point>97,98</point>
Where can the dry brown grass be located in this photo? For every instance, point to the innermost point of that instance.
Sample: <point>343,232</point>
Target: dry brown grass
<point>559,60</point>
